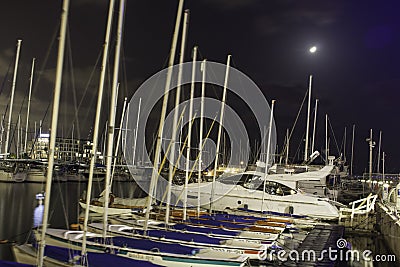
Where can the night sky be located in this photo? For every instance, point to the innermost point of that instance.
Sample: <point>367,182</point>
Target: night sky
<point>355,71</point>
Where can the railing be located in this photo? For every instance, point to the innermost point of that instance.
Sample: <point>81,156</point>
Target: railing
<point>361,206</point>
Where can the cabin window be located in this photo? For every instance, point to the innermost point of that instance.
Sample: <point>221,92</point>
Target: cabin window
<point>274,188</point>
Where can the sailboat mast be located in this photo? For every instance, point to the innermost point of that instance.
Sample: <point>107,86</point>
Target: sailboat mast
<point>126,132</point>
<point>12,97</point>
<point>378,169</point>
<point>287,146</point>
<point>96,124</point>
<point>344,143</point>
<point>314,126</point>
<point>53,131</point>
<point>203,92</point>
<point>268,153</point>
<point>221,119</point>
<point>371,145</point>
<point>136,132</point>
<point>176,114</point>
<point>29,104</point>
<point>157,153</point>
<point>326,140</point>
<point>308,119</point>
<point>1,132</point>
<point>118,139</point>
<point>113,111</point>
<point>18,127</point>
<point>189,140</point>
<point>352,150</point>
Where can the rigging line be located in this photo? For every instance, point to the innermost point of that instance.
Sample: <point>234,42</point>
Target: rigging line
<point>46,58</point>
<point>124,73</point>
<point>333,134</point>
<point>167,153</point>
<point>5,77</point>
<point>73,83</point>
<point>63,205</point>
<point>54,38</point>
<point>285,146</point>
<point>37,131</point>
<point>87,88</point>
<point>198,156</point>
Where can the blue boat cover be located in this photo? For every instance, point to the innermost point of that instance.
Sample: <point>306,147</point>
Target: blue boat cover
<point>13,264</point>
<point>226,217</point>
<point>94,259</point>
<point>148,245</point>
<point>189,237</point>
<point>275,213</point>
<point>206,230</point>
<point>219,224</point>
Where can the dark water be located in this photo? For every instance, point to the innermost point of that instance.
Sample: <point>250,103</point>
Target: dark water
<point>18,201</point>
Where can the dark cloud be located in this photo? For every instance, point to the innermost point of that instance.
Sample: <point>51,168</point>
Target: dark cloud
<point>284,16</point>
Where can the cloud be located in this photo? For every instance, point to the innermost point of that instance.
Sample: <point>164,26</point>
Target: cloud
<point>281,16</point>
<point>231,4</point>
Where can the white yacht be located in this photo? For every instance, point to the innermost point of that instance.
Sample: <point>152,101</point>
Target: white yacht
<point>245,190</point>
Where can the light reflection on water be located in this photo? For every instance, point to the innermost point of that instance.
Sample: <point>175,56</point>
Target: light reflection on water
<point>374,243</point>
<point>18,201</point>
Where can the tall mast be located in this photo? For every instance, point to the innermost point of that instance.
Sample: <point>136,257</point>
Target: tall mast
<point>53,131</point>
<point>157,153</point>
<point>287,146</point>
<point>116,150</point>
<point>314,126</point>
<point>268,153</point>
<point>29,104</point>
<point>308,119</point>
<point>113,111</point>
<point>1,132</point>
<point>119,142</point>
<point>12,97</point>
<point>352,150</point>
<point>96,124</point>
<point>371,144</point>
<point>344,143</point>
<point>378,169</point>
<point>221,119</point>
<point>136,133</point>
<point>176,114</point>
<point>326,140</point>
<point>189,140</point>
<point>203,91</point>
<point>126,133</point>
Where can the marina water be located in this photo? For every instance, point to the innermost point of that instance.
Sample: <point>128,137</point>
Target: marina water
<point>18,202</point>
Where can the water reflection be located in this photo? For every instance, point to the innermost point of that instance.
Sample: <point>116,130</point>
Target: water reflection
<point>18,203</point>
<point>376,245</point>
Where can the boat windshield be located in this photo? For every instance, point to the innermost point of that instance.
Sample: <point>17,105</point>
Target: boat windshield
<point>271,187</point>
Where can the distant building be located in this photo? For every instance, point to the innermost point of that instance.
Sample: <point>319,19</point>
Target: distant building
<point>66,149</point>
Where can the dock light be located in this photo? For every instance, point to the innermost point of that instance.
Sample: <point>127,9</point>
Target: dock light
<point>313,49</point>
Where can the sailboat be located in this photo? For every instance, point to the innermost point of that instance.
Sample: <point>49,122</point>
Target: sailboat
<point>40,254</point>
